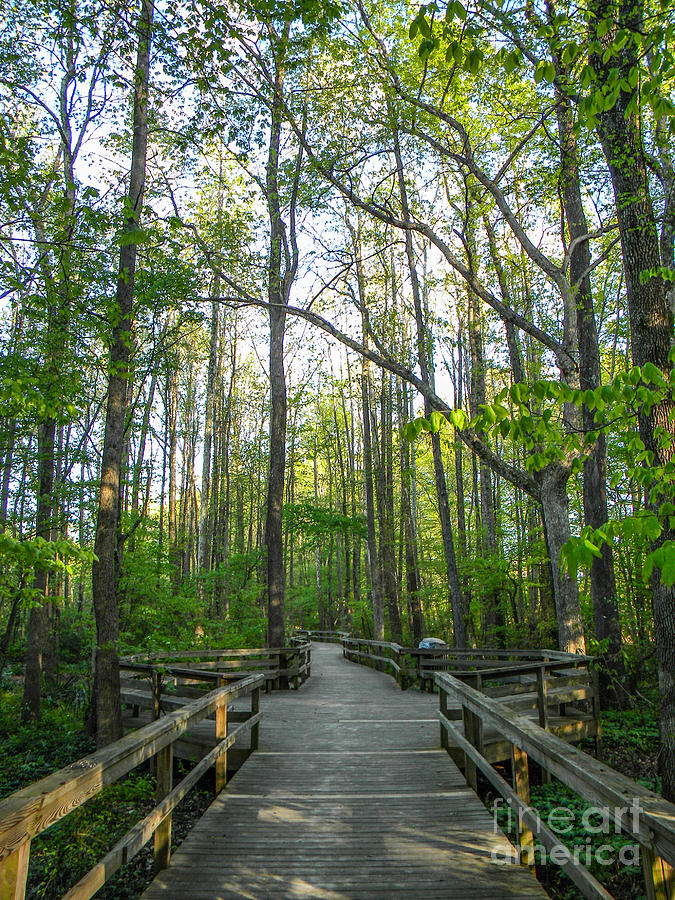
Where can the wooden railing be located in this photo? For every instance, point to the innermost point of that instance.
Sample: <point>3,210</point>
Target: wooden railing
<point>544,687</point>
<point>633,809</point>
<point>28,812</point>
<point>321,637</point>
<point>462,663</point>
<point>283,667</point>
<point>381,655</point>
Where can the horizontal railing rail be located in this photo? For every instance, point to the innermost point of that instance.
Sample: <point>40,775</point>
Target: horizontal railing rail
<point>633,809</point>
<point>29,811</point>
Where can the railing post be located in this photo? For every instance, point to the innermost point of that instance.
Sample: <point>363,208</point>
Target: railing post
<point>478,722</point>
<point>221,734</point>
<point>659,876</point>
<point>541,697</point>
<point>443,704</point>
<point>542,710</point>
<point>296,669</point>
<point>156,693</point>
<point>470,771</point>
<point>595,705</point>
<point>283,664</point>
<point>164,775</point>
<point>255,708</point>
<point>521,785</point>
<point>13,873</point>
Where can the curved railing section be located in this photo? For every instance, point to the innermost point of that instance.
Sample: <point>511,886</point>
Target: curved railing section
<point>283,667</point>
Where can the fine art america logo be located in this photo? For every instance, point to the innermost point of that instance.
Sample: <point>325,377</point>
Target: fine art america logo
<point>596,820</point>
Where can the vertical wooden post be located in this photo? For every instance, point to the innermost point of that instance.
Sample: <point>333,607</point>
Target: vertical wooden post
<point>542,710</point>
<point>283,664</point>
<point>595,705</point>
<point>13,872</point>
<point>156,693</point>
<point>541,697</point>
<point>478,722</point>
<point>164,775</point>
<point>296,668</point>
<point>470,771</point>
<point>521,785</point>
<point>443,703</point>
<point>255,708</point>
<point>221,734</point>
<point>659,876</point>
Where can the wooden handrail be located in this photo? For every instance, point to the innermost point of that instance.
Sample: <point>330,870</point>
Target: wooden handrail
<point>29,811</point>
<point>651,822</point>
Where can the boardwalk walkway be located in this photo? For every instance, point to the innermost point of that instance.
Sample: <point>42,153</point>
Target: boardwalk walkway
<point>349,796</point>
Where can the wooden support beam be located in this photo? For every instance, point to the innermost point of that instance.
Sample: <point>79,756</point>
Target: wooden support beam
<point>255,708</point>
<point>470,771</point>
<point>13,872</point>
<point>521,785</point>
<point>542,710</point>
<point>164,770</point>
<point>221,734</point>
<point>659,876</point>
<point>443,699</point>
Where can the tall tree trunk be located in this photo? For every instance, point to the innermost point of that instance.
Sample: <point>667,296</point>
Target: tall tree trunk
<point>603,581</point>
<point>105,573</point>
<point>204,548</point>
<point>39,617</point>
<point>282,270</point>
<point>385,512</point>
<point>651,324</point>
<point>425,360</point>
<point>409,527</point>
<point>555,507</point>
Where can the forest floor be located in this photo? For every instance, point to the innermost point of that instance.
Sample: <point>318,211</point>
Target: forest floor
<point>68,849</point>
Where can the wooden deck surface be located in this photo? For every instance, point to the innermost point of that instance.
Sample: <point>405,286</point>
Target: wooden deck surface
<point>349,796</point>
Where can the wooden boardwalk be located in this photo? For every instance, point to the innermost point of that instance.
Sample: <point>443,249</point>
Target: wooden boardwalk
<point>349,796</point>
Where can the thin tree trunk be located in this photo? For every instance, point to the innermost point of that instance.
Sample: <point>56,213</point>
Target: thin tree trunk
<point>424,355</point>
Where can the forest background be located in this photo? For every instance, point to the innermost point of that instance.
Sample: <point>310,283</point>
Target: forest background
<point>340,315</point>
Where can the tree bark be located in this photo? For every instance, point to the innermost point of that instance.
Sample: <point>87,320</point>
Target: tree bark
<point>651,325</point>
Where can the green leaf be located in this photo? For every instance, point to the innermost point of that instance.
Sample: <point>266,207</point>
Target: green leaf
<point>459,419</point>
<point>511,61</point>
<point>473,61</point>
<point>549,72</point>
<point>436,420</point>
